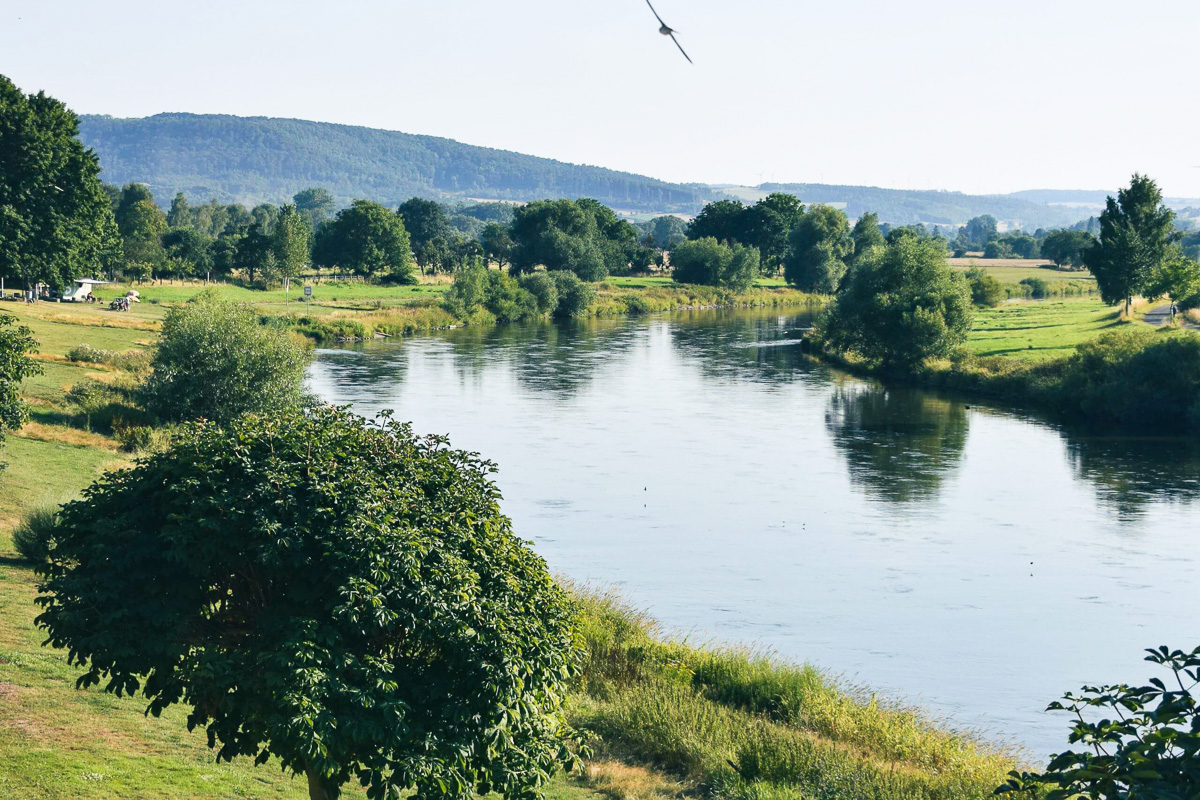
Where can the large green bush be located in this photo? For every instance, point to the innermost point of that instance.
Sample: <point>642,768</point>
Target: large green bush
<point>710,263</point>
<point>900,305</point>
<point>215,361</point>
<point>477,288</point>
<point>986,291</point>
<point>338,594</point>
<point>1135,377</point>
<point>574,295</point>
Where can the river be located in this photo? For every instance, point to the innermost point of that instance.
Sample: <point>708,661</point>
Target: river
<point>976,560</point>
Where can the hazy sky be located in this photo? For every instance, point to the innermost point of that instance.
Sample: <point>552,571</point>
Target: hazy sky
<point>980,97</point>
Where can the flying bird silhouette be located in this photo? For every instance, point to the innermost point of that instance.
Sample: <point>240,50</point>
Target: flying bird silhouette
<point>667,30</point>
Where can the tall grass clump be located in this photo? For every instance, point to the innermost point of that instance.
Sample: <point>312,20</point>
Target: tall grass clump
<point>129,360</point>
<point>737,724</point>
<point>33,533</point>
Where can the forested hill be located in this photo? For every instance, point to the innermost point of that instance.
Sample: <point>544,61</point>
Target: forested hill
<point>262,159</point>
<point>908,206</point>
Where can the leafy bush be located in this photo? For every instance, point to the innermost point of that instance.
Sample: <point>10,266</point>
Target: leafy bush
<point>574,295</point>
<point>1136,377</point>
<point>476,288</point>
<point>142,438</point>
<point>215,361</point>
<point>1038,288</point>
<point>709,263</point>
<point>338,594</point>
<point>33,534</point>
<point>985,290</point>
<point>900,305</point>
<point>544,290</point>
<point>1145,745</point>
<point>106,407</point>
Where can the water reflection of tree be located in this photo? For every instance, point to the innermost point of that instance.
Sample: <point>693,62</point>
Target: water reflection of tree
<point>560,358</point>
<point>1129,474</point>
<point>899,444</point>
<point>357,370</point>
<point>757,345</point>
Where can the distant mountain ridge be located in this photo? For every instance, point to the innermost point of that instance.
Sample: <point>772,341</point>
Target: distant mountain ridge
<point>266,159</point>
<point>263,159</point>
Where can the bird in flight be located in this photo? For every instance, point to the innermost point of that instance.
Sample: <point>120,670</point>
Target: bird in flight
<point>667,30</point>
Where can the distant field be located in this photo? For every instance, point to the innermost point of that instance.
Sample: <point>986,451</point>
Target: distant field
<point>1039,329</point>
<point>1015,270</point>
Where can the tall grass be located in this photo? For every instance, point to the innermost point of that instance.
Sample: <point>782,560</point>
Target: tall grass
<point>738,724</point>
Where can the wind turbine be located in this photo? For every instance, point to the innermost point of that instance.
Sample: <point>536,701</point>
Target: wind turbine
<point>667,30</point>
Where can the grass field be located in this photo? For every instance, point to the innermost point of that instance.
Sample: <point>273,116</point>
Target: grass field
<point>1012,270</point>
<point>1039,329</point>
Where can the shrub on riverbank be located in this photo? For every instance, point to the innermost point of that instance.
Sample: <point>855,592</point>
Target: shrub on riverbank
<point>216,361</point>
<point>1136,378</point>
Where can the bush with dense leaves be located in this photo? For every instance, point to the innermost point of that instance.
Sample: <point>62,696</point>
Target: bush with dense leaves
<point>1144,746</point>
<point>1136,377</point>
<point>710,263</point>
<point>215,361</point>
<point>900,305</point>
<point>338,594</point>
<point>575,296</point>
<point>477,288</point>
<point>986,291</point>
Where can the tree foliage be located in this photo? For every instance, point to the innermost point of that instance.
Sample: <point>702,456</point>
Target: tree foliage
<point>368,240</point>
<point>866,234</point>
<point>711,263</point>
<point>1145,746</point>
<point>819,247</point>
<point>316,204</point>
<point>1136,233</point>
<point>1176,277</point>
<point>56,221</point>
<point>986,291</point>
<point>291,243</point>
<point>900,305</point>
<point>337,594</point>
<point>497,244</point>
<point>215,361</point>
<point>16,344</point>
<point>1066,247</point>
<point>577,235</point>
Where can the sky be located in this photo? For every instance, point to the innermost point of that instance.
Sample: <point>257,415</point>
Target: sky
<point>926,94</point>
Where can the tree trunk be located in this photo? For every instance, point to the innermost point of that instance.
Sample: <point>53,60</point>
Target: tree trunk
<point>320,788</point>
<point>1128,303</point>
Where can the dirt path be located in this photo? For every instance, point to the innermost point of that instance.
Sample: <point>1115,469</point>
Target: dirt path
<point>1162,315</point>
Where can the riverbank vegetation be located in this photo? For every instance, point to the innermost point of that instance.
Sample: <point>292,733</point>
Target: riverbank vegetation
<point>904,314</point>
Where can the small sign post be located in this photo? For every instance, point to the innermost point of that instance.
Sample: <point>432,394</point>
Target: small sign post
<point>307,297</point>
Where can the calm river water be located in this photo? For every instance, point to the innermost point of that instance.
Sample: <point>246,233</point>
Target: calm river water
<point>972,559</point>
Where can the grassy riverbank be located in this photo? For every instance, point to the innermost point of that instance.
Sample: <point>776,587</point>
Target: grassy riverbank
<point>668,719</point>
<point>340,310</point>
<point>1073,358</point>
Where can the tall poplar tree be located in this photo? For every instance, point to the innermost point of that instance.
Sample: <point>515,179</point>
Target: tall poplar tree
<point>291,245</point>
